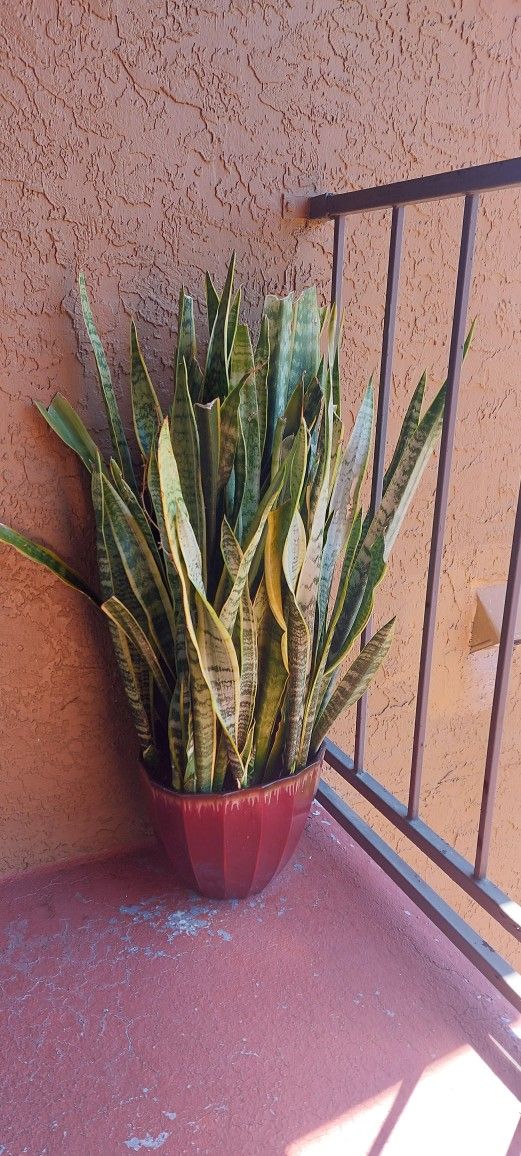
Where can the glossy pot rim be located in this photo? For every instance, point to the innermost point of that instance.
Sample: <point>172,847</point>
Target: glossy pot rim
<point>247,792</point>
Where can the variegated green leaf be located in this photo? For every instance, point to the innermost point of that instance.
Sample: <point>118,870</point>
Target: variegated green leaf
<point>358,604</point>
<point>65,422</point>
<point>262,367</point>
<point>186,346</point>
<point>209,640</point>
<point>146,409</point>
<point>279,314</point>
<point>185,442</point>
<point>142,572</point>
<point>208,421</point>
<point>409,427</point>
<point>217,380</point>
<point>212,302</point>
<point>203,721</point>
<point>355,682</point>
<point>136,510</point>
<point>113,580</point>
<point>272,679</point>
<point>122,617</point>
<point>48,559</point>
<point>344,500</point>
<point>230,609</point>
<point>305,343</point>
<point>117,433</point>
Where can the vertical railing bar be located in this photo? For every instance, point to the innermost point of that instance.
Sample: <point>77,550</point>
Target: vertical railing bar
<point>384,391</point>
<point>468,234</point>
<point>338,266</point>
<point>504,663</point>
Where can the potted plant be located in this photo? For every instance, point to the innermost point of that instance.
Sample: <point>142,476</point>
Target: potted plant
<point>237,571</point>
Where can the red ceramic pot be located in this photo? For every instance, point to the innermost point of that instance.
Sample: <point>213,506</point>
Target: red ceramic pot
<point>228,846</point>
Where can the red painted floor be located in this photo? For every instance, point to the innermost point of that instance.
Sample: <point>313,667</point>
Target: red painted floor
<point>326,1016</point>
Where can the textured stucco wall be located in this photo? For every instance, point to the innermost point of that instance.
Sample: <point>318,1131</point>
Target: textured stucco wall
<point>143,142</point>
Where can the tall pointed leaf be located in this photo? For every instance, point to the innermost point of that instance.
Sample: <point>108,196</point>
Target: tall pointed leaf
<point>217,380</point>
<point>48,559</point>
<point>208,421</point>
<point>117,433</point>
<point>65,422</point>
<point>185,442</point>
<point>146,409</point>
<point>355,682</point>
<point>279,313</point>
<point>305,347</point>
<point>122,617</point>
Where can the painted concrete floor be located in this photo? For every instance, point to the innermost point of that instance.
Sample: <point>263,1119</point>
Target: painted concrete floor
<point>324,1017</point>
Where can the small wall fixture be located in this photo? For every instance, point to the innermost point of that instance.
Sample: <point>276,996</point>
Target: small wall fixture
<point>486,628</point>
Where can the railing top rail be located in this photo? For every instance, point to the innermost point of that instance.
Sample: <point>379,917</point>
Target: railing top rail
<point>461,182</point>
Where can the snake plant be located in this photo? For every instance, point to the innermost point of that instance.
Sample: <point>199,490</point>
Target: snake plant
<point>236,568</point>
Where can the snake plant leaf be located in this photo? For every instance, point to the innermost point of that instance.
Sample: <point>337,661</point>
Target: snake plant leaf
<point>308,581</point>
<point>248,468</point>
<point>409,427</point>
<point>146,410</point>
<point>185,441</point>
<point>277,529</point>
<point>113,579</point>
<point>305,346</point>
<point>243,369</point>
<point>48,559</point>
<point>405,480</point>
<point>233,321</point>
<point>176,745</point>
<point>190,778</point>
<point>125,658</point>
<point>278,312</point>
<point>355,683</point>
<point>294,411</point>
<point>294,550</point>
<point>112,573</point>
<point>272,679</point>
<point>230,609</point>
<point>316,687</point>
<point>203,720</point>
<point>117,433</point>
<point>299,653</point>
<point>275,766</point>
<point>358,604</point>
<point>337,450</point>
<point>221,763</point>
<point>122,617</point>
<point>237,479</point>
<point>229,433</point>
<point>234,561</point>
<point>208,421</point>
<point>344,499</point>
<point>186,349</point>
<point>298,645</point>
<point>142,572</point>
<point>136,510</point>
<point>210,642</point>
<point>65,422</point>
<point>249,668</point>
<point>262,366</point>
<point>154,490</point>
<point>212,302</point>
<point>216,378</point>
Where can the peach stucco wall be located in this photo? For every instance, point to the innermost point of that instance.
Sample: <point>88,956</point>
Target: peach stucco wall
<point>143,142</point>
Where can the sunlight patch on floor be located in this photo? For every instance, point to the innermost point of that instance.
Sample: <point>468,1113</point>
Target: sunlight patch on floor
<point>457,1106</point>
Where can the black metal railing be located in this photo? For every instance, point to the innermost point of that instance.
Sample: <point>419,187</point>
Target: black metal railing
<point>470,877</point>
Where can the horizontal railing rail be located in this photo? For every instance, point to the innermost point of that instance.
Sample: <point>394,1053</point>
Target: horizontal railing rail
<point>460,183</point>
<point>472,878</point>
